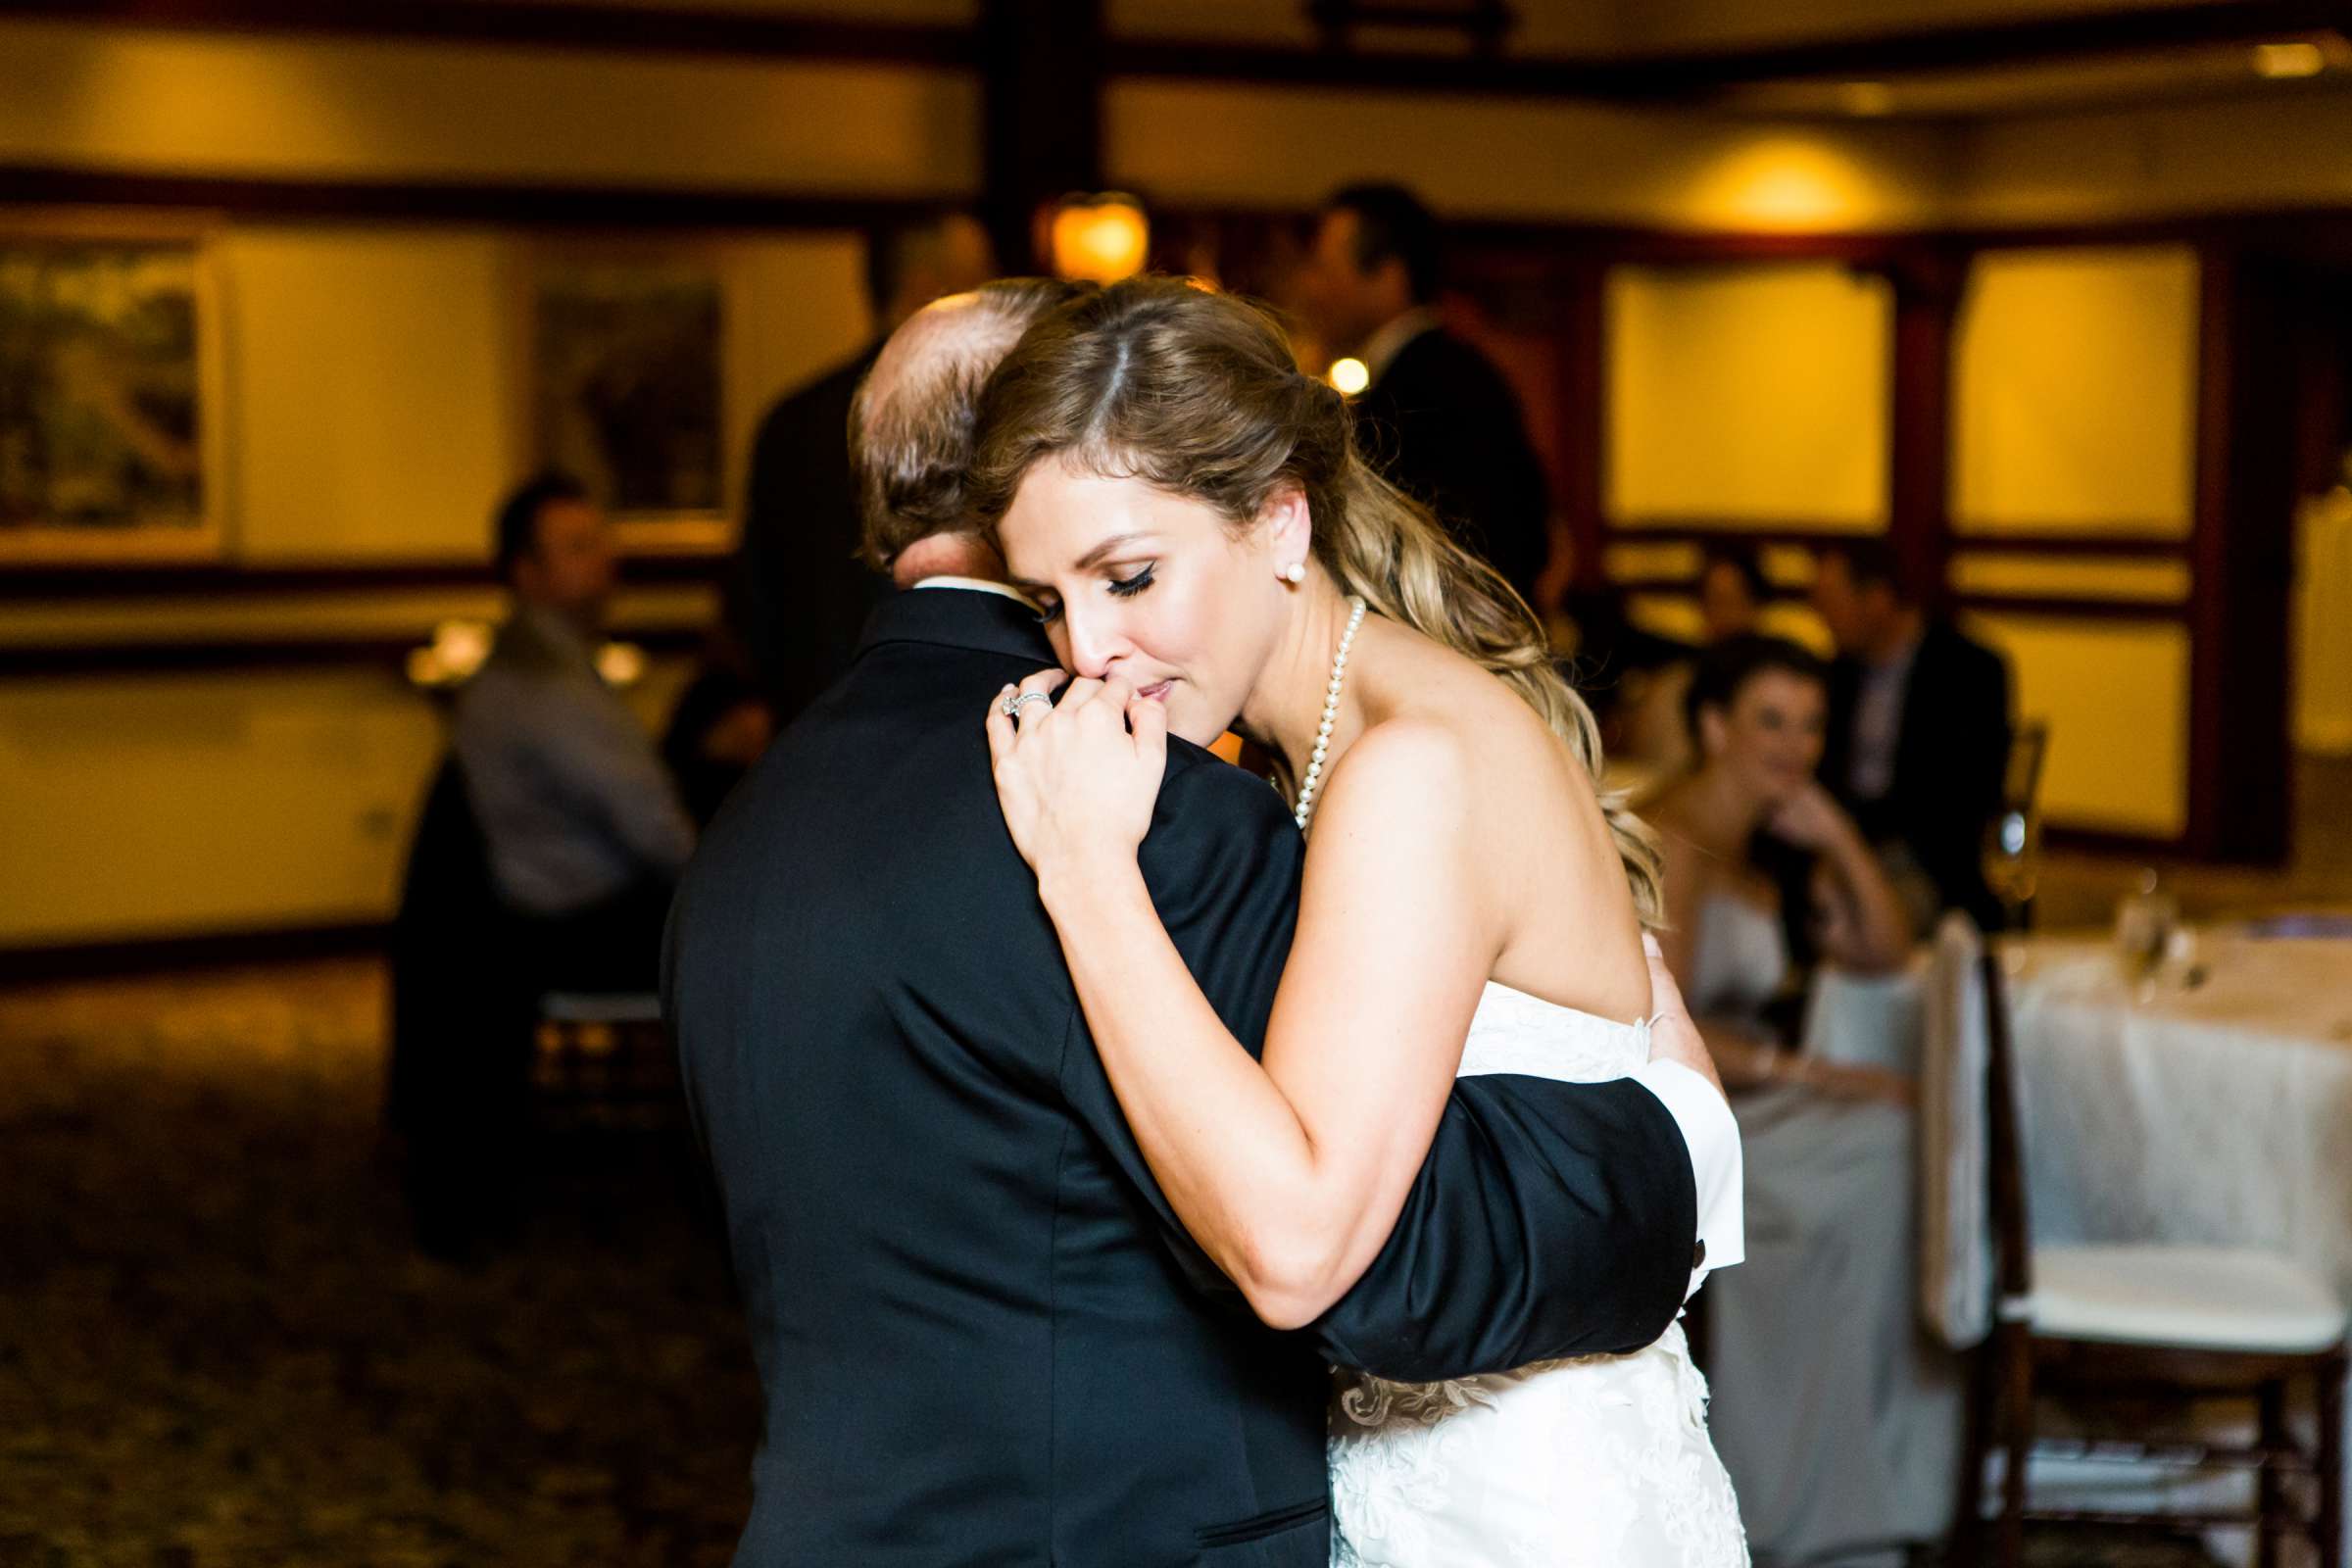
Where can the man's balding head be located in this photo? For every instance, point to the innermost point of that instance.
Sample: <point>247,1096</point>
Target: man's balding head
<point>910,426</point>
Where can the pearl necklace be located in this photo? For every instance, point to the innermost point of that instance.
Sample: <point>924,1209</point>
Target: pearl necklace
<point>1331,711</point>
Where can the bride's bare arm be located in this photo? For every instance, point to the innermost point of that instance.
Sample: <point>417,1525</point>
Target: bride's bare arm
<point>1292,1173</point>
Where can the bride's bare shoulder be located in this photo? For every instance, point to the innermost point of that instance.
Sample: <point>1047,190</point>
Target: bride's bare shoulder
<point>1408,759</point>
<point>1423,681</point>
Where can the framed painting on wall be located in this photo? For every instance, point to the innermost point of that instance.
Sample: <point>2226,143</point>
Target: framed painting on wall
<point>626,353</point>
<point>110,406</point>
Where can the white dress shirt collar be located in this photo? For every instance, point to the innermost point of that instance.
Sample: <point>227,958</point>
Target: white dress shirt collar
<point>978,585</point>
<point>1382,347</point>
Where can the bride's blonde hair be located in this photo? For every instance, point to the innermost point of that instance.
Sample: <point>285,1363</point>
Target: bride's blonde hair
<point>1197,393</point>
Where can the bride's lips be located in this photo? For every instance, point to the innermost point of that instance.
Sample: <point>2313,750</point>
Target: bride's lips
<point>1157,693</point>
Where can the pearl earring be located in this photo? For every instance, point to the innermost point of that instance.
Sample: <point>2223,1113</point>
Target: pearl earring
<point>1295,573</point>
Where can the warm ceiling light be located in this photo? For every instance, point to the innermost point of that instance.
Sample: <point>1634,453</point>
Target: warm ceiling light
<point>1100,239</point>
<point>2284,61</point>
<point>1350,375</point>
<point>1782,182</point>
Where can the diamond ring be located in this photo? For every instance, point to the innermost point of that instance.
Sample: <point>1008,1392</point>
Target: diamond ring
<point>1012,705</point>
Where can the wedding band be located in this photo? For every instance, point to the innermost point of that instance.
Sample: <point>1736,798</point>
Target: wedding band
<point>1011,707</point>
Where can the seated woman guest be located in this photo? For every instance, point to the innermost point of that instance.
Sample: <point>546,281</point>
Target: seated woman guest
<point>1836,1421</point>
<point>1765,873</point>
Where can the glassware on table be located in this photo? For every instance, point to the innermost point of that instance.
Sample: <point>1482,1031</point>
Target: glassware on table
<point>2144,921</point>
<point>2013,863</point>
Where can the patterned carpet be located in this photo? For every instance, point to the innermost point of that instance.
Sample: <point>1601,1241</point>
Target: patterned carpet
<point>218,1351</point>
<point>216,1347</point>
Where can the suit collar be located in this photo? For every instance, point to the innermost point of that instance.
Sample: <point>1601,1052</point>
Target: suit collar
<point>959,617</point>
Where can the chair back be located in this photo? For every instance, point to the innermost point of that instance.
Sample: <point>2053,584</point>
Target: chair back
<point>2020,776</point>
<point>2012,1228</point>
<point>451,957</point>
<point>1955,1142</point>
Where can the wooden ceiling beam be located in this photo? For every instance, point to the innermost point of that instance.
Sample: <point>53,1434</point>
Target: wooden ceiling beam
<point>1666,76</point>
<point>558,24</point>
<point>571,24</point>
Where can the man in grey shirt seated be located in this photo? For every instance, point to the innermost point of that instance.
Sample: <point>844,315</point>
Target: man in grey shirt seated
<point>583,825</point>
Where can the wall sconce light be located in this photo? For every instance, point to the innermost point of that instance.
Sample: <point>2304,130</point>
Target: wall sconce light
<point>1350,375</point>
<point>456,651</point>
<point>1099,238</point>
<point>2283,61</point>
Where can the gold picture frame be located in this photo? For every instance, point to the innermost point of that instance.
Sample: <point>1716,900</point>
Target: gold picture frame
<point>112,405</point>
<point>626,346</point>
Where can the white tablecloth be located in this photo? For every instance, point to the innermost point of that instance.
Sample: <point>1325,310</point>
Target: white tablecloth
<point>2219,1113</point>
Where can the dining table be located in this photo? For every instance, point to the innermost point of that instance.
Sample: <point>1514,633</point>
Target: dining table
<point>2207,1101</point>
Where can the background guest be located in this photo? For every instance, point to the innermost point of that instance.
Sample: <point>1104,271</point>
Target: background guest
<point>1765,872</point>
<point>1733,590</point>
<point>797,596</point>
<point>1439,417</point>
<point>1918,732</point>
<point>720,727</point>
<point>583,825</point>
<point>1732,595</point>
<point>1839,1438</point>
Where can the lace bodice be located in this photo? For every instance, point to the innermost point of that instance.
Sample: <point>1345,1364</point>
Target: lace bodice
<point>1602,1460</point>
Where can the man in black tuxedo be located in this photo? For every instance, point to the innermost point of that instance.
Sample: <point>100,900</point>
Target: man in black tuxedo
<point>1918,741</point>
<point>1438,417</point>
<point>983,1336</point>
<point>797,596</point>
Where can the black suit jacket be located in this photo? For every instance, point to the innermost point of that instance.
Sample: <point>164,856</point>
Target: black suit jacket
<point>797,594</point>
<point>1951,751</point>
<point>984,1337</point>
<point>1447,429</point>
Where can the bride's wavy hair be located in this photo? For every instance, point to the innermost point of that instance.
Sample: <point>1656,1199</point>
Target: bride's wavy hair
<point>1197,393</point>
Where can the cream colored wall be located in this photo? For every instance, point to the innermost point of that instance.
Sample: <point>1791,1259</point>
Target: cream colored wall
<point>167,804</point>
<point>2235,155</point>
<point>1195,142</point>
<point>375,389</point>
<point>371,385</point>
<point>2075,393</point>
<point>304,107</point>
<point>2075,410</point>
<point>2116,698</point>
<point>2037,576</point>
<point>1752,394</point>
<point>377,376</point>
<point>2323,624</point>
<point>374,392</point>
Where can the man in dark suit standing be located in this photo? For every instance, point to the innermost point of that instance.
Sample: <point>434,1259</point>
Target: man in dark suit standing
<point>1918,741</point>
<point>796,597</point>
<point>1438,417</point>
<point>983,1336</point>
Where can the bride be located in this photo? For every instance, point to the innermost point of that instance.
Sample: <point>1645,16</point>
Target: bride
<point>1211,552</point>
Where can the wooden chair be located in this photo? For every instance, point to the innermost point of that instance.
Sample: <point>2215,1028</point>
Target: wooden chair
<point>2110,1320</point>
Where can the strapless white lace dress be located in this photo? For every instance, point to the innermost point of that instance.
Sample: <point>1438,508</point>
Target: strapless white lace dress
<point>1601,1460</point>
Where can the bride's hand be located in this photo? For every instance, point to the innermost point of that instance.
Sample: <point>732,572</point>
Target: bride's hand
<point>1077,779</point>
